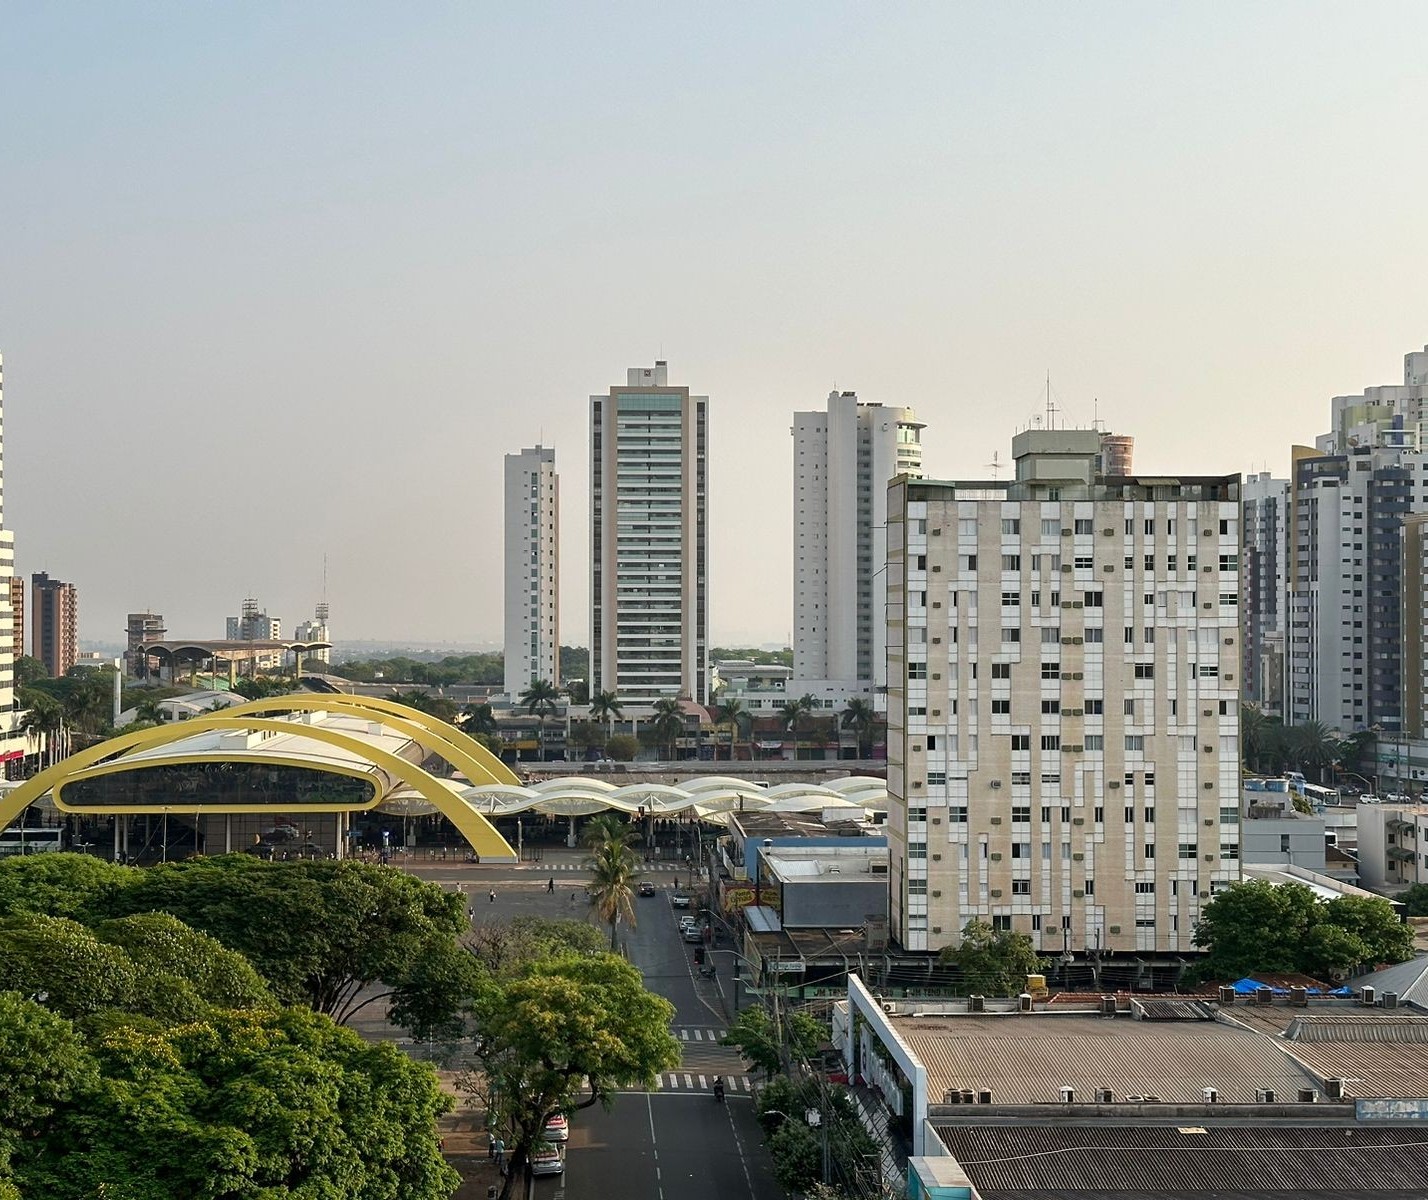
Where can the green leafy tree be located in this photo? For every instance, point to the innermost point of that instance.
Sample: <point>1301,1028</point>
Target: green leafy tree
<point>329,933</point>
<point>768,1045</point>
<point>504,949</point>
<point>29,671</point>
<point>564,1025</point>
<point>148,709</point>
<point>622,747</point>
<point>993,961</point>
<point>578,691</point>
<point>609,827</point>
<point>61,885</point>
<point>61,960</point>
<point>164,949</point>
<point>43,1063</point>
<point>1415,900</point>
<point>280,1105</point>
<point>260,687</point>
<point>1257,926</point>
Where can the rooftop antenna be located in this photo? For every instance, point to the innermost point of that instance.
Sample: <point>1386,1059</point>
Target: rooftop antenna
<point>1050,404</point>
<point>996,464</point>
<point>322,609</point>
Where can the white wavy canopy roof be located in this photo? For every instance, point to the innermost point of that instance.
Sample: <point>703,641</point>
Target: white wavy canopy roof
<point>710,798</point>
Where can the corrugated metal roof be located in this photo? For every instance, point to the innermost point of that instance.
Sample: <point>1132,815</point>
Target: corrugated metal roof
<point>1027,1059</point>
<point>1082,1161</point>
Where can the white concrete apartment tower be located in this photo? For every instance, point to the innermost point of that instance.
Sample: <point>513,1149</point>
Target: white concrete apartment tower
<point>532,569</point>
<point>843,460</point>
<point>1063,702</point>
<point>649,596</point>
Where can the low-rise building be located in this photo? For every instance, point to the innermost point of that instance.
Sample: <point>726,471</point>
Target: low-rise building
<point>1393,845</point>
<point>1172,1096</point>
<point>1273,830</point>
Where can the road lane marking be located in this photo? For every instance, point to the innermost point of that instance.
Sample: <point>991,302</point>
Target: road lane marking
<point>654,1147</point>
<point>743,1162</point>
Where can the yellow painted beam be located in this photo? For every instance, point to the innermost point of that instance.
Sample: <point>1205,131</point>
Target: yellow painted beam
<point>473,826</point>
<point>440,737</point>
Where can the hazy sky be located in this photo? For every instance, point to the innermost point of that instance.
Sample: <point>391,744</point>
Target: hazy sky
<point>284,280</point>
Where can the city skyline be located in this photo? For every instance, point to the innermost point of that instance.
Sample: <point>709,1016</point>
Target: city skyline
<point>268,324</point>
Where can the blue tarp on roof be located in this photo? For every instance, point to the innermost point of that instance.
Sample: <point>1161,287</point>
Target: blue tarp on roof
<point>1248,987</point>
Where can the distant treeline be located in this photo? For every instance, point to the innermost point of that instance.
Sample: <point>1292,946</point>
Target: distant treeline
<point>489,668</point>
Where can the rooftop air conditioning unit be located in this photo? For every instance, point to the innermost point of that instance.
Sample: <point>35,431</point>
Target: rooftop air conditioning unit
<point>1367,995</point>
<point>1264,1096</point>
<point>1068,1095</point>
<point>1105,1096</point>
<point>976,1004</point>
<point>1227,995</point>
<point>1390,999</point>
<point>1264,995</point>
<point>890,1008</point>
<point>1334,1088</point>
<point>1308,1096</point>
<point>1108,1006</point>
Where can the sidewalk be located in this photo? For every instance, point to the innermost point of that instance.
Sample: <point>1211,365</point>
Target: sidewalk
<point>464,1142</point>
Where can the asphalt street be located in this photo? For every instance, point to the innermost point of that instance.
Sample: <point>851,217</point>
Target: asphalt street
<point>676,1142</point>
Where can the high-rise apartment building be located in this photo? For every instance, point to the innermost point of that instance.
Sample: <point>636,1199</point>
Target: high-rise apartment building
<point>532,569</point>
<point>1266,559</point>
<point>1345,584</point>
<point>649,598</point>
<point>1063,701</point>
<point>139,629</point>
<point>17,616</point>
<point>54,623</point>
<point>1345,543</point>
<point>253,625</point>
<point>843,460</point>
<point>1415,626</point>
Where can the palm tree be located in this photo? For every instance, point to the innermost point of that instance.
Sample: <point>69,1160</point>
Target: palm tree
<point>605,706</point>
<point>731,713</point>
<point>789,714</point>
<point>45,721</point>
<point>1312,745</point>
<point>608,829</point>
<point>612,868</point>
<point>859,717</point>
<point>668,723</point>
<point>541,701</point>
<point>480,718</point>
<point>148,710</point>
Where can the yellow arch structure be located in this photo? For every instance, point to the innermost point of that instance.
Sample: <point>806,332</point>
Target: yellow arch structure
<point>460,749</point>
<point>478,831</point>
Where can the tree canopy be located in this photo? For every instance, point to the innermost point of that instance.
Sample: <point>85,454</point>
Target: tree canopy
<point>563,1025</point>
<point>1257,926</point>
<point>768,1045</point>
<point>993,961</point>
<point>323,934</point>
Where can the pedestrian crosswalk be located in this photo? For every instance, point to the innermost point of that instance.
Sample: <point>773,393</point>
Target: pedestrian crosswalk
<point>686,1034</point>
<point>575,865</point>
<point>689,1081</point>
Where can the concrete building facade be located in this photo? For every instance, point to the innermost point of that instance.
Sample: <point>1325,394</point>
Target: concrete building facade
<point>316,630</point>
<point>54,623</point>
<point>1266,520</point>
<point>140,628</point>
<point>1063,701</point>
<point>532,509</point>
<point>1345,584</point>
<point>17,616</point>
<point>843,461</point>
<point>649,546</point>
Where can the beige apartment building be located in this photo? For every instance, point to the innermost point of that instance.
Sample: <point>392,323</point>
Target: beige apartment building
<point>1063,701</point>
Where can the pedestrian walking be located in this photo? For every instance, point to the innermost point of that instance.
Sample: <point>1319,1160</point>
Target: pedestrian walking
<point>550,887</point>
<point>572,897</point>
<point>493,895</point>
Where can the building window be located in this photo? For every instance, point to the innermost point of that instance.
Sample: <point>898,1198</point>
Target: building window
<point>1001,670</point>
<point>1021,887</point>
<point>1084,526</point>
<point>1049,670</point>
<point>1189,850</point>
<point>1010,526</point>
<point>1011,562</point>
<point>1021,741</point>
<point>1050,741</point>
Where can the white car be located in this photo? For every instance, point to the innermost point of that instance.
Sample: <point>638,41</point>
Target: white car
<point>1369,800</point>
<point>546,1160</point>
<point>557,1129</point>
